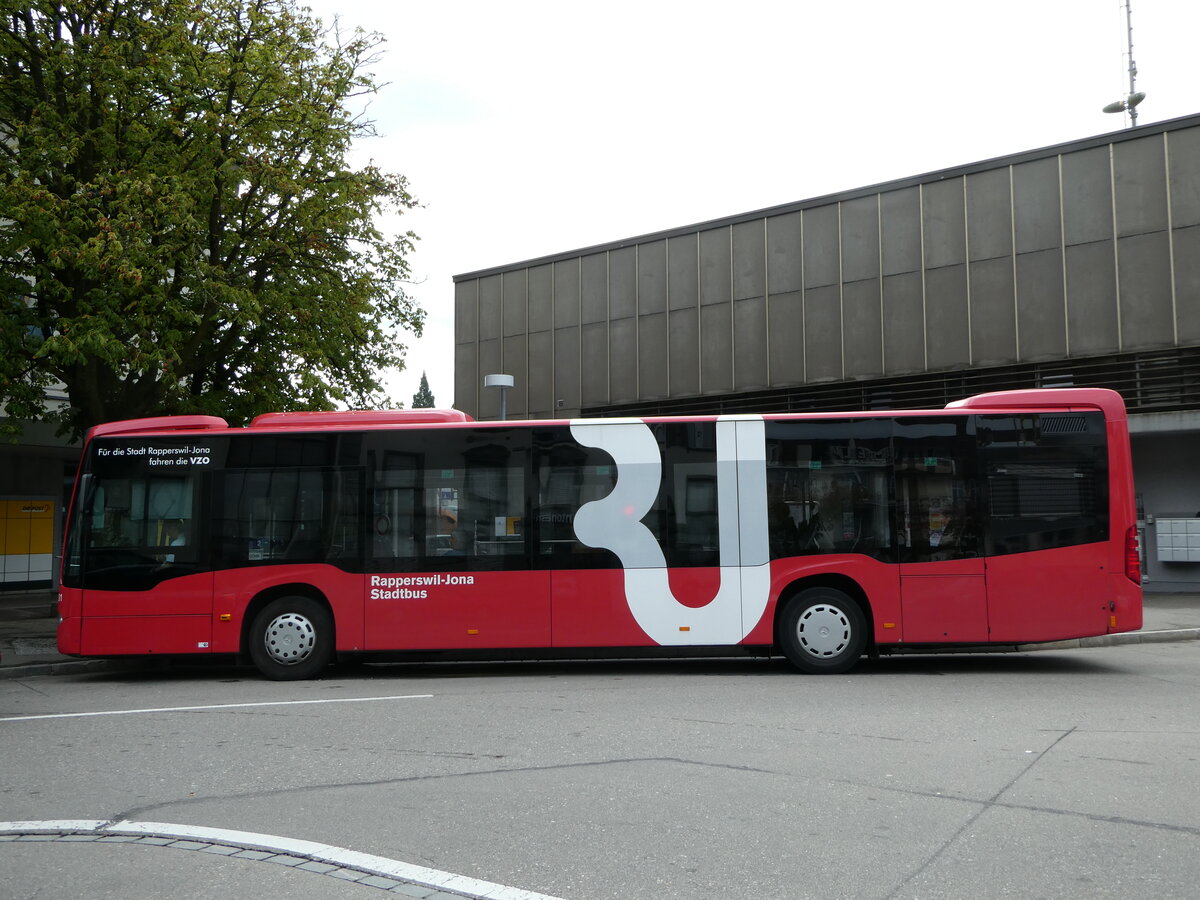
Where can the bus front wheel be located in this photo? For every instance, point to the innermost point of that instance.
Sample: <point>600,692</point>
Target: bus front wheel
<point>291,638</point>
<point>823,630</point>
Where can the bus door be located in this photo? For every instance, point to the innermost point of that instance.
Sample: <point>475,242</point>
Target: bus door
<point>943,584</point>
<point>449,566</point>
<point>145,586</point>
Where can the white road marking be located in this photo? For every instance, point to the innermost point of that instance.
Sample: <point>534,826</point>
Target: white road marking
<point>248,840</point>
<point>167,709</point>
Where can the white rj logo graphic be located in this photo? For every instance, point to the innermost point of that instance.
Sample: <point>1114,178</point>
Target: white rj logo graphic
<point>614,523</point>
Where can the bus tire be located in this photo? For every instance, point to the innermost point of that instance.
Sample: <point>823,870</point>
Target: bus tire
<point>291,638</point>
<point>823,631</point>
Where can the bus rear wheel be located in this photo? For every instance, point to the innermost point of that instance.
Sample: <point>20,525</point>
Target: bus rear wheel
<point>823,631</point>
<point>291,638</point>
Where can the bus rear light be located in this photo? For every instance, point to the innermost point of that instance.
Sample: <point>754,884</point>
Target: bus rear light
<point>1133,561</point>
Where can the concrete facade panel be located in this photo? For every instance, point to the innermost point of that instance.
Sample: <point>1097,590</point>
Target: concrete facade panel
<point>489,307</point>
<point>684,337</point>
<point>716,278</point>
<point>515,362</point>
<point>860,238</point>
<point>515,287</point>
<point>652,355</point>
<point>862,319</point>
<point>683,286</point>
<point>749,270</point>
<point>541,298</point>
<point>566,369</point>
<point>949,343</point>
<point>785,337</point>
<point>944,223</point>
<point>652,277</point>
<point>594,288</point>
<point>1041,321</point>
<point>750,344</point>
<point>903,324</point>
<point>1187,283</point>
<point>593,344</point>
<point>785,267</point>
<point>989,214</point>
<point>1092,325</point>
<point>1144,282</point>
<point>1140,185</point>
<point>489,364</point>
<point>993,312</point>
<point>1035,205</point>
<point>716,349</point>
<point>623,360</point>
<point>1087,196</point>
<point>467,379</point>
<point>900,230</point>
<point>566,292</point>
<point>1183,149</point>
<point>823,334</point>
<point>466,311</point>
<point>622,283</point>
<point>822,264</point>
<point>541,367</point>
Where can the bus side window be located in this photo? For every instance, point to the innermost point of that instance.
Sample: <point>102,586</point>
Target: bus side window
<point>1047,480</point>
<point>568,476</point>
<point>937,489</point>
<point>828,488</point>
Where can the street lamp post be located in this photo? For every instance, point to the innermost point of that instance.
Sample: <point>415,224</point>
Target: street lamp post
<point>1129,104</point>
<point>503,382</point>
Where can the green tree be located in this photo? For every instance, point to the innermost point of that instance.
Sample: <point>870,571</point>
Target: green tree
<point>181,228</point>
<point>423,398</point>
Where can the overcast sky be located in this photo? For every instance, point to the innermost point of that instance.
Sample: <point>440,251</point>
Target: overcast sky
<point>532,128</point>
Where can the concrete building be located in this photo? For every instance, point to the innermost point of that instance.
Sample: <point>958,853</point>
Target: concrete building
<point>1077,264</point>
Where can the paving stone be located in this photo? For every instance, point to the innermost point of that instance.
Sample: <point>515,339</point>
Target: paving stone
<point>190,845</point>
<point>414,890</point>
<point>376,881</point>
<point>253,854</point>
<point>319,867</point>
<point>282,859</point>
<point>220,850</point>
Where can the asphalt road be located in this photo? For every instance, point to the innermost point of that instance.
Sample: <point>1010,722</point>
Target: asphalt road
<point>1054,774</point>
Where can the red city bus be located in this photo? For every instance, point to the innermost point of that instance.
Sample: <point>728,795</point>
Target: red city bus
<point>307,537</point>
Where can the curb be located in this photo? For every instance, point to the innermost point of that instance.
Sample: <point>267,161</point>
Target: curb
<point>68,666</point>
<point>1113,640</point>
<point>57,667</point>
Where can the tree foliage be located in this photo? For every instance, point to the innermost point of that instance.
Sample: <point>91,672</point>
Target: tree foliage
<point>423,398</point>
<point>181,228</point>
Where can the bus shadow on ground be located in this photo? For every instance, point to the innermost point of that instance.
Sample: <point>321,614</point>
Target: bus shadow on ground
<point>907,664</point>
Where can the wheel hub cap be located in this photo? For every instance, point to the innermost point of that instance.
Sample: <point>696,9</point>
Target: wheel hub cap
<point>290,638</point>
<point>824,631</point>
